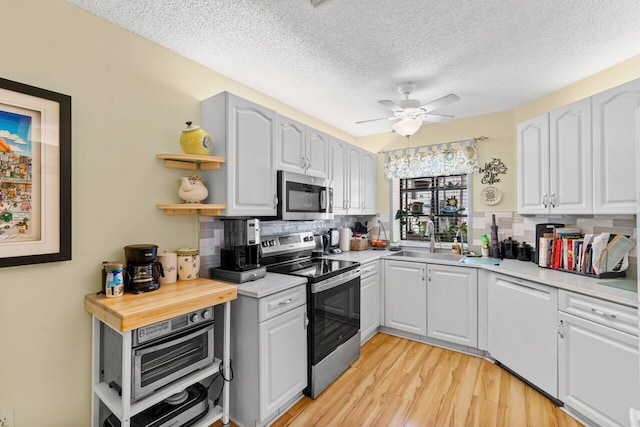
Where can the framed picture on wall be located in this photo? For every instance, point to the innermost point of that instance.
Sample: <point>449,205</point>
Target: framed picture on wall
<point>35,175</point>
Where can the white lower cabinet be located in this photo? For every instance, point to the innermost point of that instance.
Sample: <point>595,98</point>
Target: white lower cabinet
<point>405,296</point>
<point>452,304</point>
<point>269,355</point>
<point>598,362</point>
<point>283,359</point>
<point>369,301</point>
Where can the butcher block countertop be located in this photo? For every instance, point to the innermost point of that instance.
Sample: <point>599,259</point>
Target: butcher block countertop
<point>132,311</point>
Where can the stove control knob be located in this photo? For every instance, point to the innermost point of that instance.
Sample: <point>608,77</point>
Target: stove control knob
<point>206,315</point>
<point>195,317</point>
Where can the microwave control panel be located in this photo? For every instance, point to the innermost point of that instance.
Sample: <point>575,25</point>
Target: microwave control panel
<point>171,326</point>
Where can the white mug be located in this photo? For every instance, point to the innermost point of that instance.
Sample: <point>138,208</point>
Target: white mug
<point>169,261</point>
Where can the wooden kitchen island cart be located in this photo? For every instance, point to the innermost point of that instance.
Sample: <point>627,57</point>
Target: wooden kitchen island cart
<point>131,311</point>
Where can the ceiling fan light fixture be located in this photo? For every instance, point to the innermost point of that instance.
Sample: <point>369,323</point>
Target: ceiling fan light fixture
<point>407,127</point>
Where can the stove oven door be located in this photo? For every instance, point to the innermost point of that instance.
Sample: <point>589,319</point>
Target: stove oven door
<point>335,315</point>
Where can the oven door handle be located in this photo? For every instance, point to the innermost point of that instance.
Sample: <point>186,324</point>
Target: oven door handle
<point>325,285</point>
<point>171,341</point>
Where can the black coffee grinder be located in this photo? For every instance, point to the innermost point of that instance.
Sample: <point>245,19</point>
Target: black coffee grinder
<point>143,271</point>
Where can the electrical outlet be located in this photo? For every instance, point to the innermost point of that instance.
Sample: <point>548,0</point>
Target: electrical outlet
<point>6,418</point>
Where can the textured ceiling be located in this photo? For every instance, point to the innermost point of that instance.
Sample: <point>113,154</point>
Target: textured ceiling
<point>336,61</point>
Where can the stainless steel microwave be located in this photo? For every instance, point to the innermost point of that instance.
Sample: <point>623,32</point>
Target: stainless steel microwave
<point>302,197</point>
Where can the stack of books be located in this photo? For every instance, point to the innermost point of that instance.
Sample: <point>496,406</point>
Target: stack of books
<point>566,248</point>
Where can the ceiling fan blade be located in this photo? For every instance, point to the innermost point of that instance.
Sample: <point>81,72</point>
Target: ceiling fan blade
<point>374,120</point>
<point>391,105</point>
<point>437,118</point>
<point>439,103</point>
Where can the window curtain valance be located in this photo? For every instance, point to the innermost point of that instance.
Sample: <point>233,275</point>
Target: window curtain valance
<point>450,158</point>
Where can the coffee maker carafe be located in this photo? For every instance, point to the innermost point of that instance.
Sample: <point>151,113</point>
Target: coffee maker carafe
<point>143,271</point>
<point>241,250</point>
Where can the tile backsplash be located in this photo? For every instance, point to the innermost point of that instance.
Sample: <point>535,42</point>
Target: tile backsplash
<point>523,228</point>
<point>211,233</point>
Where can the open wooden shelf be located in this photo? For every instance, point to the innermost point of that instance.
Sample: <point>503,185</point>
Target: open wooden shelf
<point>192,209</point>
<point>191,161</point>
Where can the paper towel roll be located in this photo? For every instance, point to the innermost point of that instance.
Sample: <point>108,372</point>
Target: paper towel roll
<point>345,239</point>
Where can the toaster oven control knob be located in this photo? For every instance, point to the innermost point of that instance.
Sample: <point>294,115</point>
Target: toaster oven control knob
<point>195,317</point>
<point>206,315</point>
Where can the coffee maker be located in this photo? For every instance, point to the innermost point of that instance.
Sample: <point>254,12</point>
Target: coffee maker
<point>143,271</point>
<point>240,256</point>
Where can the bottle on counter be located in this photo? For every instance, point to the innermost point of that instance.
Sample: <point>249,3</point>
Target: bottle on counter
<point>455,246</point>
<point>485,245</point>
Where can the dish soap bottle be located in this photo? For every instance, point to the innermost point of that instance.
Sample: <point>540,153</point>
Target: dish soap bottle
<point>485,245</point>
<point>455,246</point>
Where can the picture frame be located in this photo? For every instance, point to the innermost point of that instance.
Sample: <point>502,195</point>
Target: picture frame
<point>35,175</point>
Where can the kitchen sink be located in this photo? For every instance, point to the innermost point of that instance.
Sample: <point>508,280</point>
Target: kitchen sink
<point>441,256</point>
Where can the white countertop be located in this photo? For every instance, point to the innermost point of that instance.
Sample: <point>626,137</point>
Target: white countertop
<point>274,282</point>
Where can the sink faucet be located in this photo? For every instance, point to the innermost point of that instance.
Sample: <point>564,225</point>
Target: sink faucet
<point>460,233</point>
<point>431,229</point>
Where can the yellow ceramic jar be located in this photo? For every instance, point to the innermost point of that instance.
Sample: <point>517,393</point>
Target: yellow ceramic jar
<point>195,140</point>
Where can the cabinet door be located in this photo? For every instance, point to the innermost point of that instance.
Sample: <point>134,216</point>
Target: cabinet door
<point>598,370</point>
<point>369,182</point>
<point>405,296</point>
<point>614,128</point>
<point>570,162</point>
<point>452,304</point>
<point>354,174</point>
<point>317,144</point>
<point>337,174</point>
<point>369,306</point>
<point>533,165</point>
<point>251,181</point>
<point>291,141</point>
<point>283,359</point>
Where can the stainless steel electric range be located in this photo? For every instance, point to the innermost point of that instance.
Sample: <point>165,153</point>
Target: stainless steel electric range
<point>333,304</point>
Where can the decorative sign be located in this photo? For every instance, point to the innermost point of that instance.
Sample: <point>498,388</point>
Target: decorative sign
<point>491,171</point>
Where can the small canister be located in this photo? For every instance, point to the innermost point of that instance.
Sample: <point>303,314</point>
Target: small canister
<point>113,279</point>
<point>188,263</point>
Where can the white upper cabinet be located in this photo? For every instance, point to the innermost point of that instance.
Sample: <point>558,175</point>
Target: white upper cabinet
<point>317,144</point>
<point>580,159</point>
<point>614,166</point>
<point>353,174</point>
<point>554,162</point>
<point>369,182</point>
<point>354,180</point>
<point>570,172</point>
<point>245,134</point>
<point>533,165</point>
<point>337,174</point>
<point>301,149</point>
<point>291,145</point>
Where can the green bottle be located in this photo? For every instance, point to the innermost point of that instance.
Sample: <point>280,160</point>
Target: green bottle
<point>485,245</point>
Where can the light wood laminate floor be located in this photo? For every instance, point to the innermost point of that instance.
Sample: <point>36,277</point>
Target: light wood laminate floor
<point>399,382</point>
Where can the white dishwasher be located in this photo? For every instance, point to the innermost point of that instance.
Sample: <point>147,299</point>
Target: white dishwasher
<point>522,325</point>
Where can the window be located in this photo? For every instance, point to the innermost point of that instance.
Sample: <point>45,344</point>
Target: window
<point>443,199</point>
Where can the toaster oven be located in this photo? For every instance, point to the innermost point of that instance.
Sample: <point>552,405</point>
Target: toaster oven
<point>161,352</point>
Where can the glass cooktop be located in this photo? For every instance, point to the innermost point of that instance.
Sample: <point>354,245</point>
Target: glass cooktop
<point>315,268</point>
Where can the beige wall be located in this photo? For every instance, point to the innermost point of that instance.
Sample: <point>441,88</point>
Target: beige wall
<point>130,101</point>
<point>500,128</point>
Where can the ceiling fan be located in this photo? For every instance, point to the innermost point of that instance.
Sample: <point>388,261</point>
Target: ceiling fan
<point>411,114</point>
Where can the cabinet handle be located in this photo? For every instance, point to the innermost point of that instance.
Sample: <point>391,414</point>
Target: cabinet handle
<point>544,200</point>
<point>561,329</point>
<point>285,302</point>
<point>275,202</point>
<point>603,314</point>
<point>306,321</point>
<point>553,200</point>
